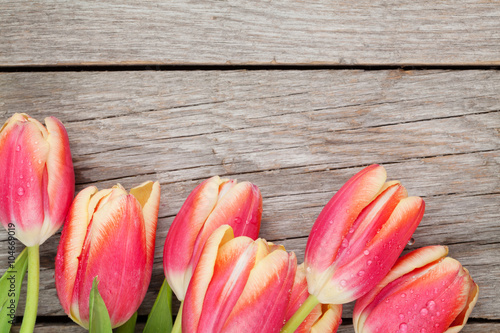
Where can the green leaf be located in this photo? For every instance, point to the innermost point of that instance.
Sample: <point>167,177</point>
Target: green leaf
<point>99,321</point>
<point>129,326</point>
<point>10,289</point>
<point>160,317</point>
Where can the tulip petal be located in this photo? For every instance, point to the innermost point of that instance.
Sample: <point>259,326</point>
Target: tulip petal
<point>241,208</point>
<point>148,195</point>
<point>362,273</point>
<point>61,178</point>
<point>234,262</point>
<point>117,218</point>
<point>461,319</point>
<point>70,247</point>
<point>183,232</point>
<point>336,219</point>
<point>262,304</point>
<point>195,295</point>
<point>330,320</point>
<point>23,196</point>
<point>411,261</point>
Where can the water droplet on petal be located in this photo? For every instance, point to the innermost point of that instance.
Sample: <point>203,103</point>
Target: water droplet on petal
<point>403,295</point>
<point>369,262</point>
<point>309,269</point>
<point>423,330</point>
<point>431,305</point>
<point>403,328</point>
<point>343,283</point>
<point>345,243</point>
<point>39,161</point>
<point>361,273</point>
<point>401,316</point>
<point>21,176</point>
<point>424,312</point>
<point>411,241</point>
<point>237,220</point>
<point>20,191</point>
<point>18,148</point>
<point>366,252</point>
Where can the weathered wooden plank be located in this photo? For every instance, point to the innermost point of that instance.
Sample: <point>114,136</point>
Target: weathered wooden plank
<point>242,32</point>
<point>298,135</point>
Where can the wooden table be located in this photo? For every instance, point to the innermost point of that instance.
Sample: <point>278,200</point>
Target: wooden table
<point>293,96</point>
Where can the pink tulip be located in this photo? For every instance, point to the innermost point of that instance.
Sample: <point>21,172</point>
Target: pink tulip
<point>425,291</point>
<point>239,285</point>
<point>37,177</point>
<point>359,235</point>
<point>109,234</point>
<point>323,318</point>
<point>213,203</point>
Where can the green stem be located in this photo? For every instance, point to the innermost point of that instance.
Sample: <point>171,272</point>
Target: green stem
<point>31,308</point>
<point>178,321</point>
<point>301,314</point>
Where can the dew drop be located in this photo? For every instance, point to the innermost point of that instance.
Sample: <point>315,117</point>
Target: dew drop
<point>366,252</point>
<point>21,176</point>
<point>403,328</point>
<point>401,316</point>
<point>237,220</point>
<point>431,305</point>
<point>424,312</point>
<point>423,330</point>
<point>309,269</point>
<point>403,295</point>
<point>39,161</point>
<point>18,148</point>
<point>411,241</point>
<point>436,325</point>
<point>369,262</point>
<point>343,283</point>
<point>20,191</point>
<point>361,273</point>
<point>28,185</point>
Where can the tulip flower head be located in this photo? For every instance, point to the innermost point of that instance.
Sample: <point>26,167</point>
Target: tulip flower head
<point>37,177</point>
<point>425,291</point>
<point>109,234</point>
<point>359,235</point>
<point>239,285</point>
<point>213,203</point>
<point>324,318</point>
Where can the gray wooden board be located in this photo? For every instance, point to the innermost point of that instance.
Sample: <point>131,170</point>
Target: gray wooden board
<point>249,32</point>
<point>298,135</point>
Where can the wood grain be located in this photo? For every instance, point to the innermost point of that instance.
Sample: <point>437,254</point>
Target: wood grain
<point>463,32</point>
<point>298,135</point>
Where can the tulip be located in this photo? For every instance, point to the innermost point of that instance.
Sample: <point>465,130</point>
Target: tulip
<point>37,186</point>
<point>37,177</point>
<point>425,291</point>
<point>213,203</point>
<point>357,238</point>
<point>323,318</point>
<point>239,285</point>
<point>109,234</point>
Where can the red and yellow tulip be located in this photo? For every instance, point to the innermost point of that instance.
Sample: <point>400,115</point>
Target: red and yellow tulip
<point>213,203</point>
<point>37,177</point>
<point>324,318</point>
<point>425,291</point>
<point>109,234</point>
<point>359,235</point>
<point>239,285</point>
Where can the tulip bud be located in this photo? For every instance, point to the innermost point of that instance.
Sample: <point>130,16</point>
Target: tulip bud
<point>109,234</point>
<point>425,291</point>
<point>359,235</point>
<point>37,177</point>
<point>324,318</point>
<point>238,285</point>
<point>213,203</point>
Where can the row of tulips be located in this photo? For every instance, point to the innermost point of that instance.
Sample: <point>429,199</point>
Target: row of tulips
<point>226,278</point>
